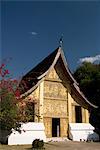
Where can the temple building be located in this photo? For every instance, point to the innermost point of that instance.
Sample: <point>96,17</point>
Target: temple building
<point>55,95</point>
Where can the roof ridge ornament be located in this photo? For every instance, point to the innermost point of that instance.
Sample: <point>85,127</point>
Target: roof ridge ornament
<point>61,42</point>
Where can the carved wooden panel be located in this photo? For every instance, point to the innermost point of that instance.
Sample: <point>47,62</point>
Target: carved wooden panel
<point>34,95</point>
<point>52,74</point>
<point>55,90</point>
<point>64,127</point>
<point>48,126</point>
<point>55,108</point>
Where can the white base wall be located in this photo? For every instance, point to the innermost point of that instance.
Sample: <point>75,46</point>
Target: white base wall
<point>82,132</point>
<point>29,132</point>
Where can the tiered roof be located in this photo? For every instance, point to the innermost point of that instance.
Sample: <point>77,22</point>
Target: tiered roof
<point>32,79</point>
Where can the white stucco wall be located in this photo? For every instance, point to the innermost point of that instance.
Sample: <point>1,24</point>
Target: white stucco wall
<point>82,131</point>
<point>29,132</point>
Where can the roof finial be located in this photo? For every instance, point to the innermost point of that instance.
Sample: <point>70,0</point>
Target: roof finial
<point>61,41</point>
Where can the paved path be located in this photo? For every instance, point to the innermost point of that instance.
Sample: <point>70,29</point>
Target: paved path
<point>68,145</point>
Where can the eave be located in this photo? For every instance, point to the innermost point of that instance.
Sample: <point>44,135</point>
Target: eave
<point>73,82</point>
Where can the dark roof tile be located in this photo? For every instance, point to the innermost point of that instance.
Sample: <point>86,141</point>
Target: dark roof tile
<point>31,78</point>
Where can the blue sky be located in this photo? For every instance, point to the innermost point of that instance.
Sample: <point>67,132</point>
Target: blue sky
<point>30,30</point>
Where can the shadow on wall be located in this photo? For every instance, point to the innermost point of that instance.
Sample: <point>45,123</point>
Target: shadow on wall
<point>4,134</point>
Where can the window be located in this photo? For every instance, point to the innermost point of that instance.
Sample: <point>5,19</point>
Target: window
<point>78,114</point>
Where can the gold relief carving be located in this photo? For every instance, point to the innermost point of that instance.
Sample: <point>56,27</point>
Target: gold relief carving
<point>64,127</point>
<point>55,108</point>
<point>35,94</point>
<point>55,90</point>
<point>33,97</point>
<point>48,127</point>
<point>52,74</point>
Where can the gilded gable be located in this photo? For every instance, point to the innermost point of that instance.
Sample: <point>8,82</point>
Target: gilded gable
<point>35,94</point>
<point>52,75</point>
<point>53,86</point>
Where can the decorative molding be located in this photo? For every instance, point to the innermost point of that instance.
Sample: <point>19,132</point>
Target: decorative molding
<point>53,80</point>
<point>56,117</point>
<point>53,98</point>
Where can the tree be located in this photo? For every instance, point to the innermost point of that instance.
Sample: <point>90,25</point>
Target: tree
<point>13,109</point>
<point>8,110</point>
<point>8,101</point>
<point>88,77</point>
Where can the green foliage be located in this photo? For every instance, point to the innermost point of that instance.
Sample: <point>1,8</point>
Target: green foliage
<point>27,112</point>
<point>8,110</point>
<point>37,143</point>
<point>88,77</point>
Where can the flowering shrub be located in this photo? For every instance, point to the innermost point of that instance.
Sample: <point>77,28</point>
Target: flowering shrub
<point>3,71</point>
<point>8,101</point>
<point>12,108</point>
<point>8,83</point>
<point>12,85</point>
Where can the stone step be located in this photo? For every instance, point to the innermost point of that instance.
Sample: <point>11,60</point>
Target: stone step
<point>57,139</point>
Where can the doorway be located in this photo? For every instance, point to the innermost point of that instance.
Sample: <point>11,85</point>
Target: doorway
<point>55,127</point>
<point>78,114</point>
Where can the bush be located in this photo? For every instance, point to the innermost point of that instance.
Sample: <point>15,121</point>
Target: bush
<point>8,110</point>
<point>37,143</point>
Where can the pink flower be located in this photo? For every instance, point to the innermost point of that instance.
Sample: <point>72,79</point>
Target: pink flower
<point>17,93</point>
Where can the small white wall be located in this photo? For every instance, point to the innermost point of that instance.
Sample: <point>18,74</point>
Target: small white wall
<point>82,131</point>
<point>29,132</point>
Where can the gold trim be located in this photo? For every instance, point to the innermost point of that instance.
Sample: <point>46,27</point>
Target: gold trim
<point>53,98</point>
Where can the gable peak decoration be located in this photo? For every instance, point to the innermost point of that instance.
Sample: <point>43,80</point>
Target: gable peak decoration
<point>61,42</point>
<point>37,74</point>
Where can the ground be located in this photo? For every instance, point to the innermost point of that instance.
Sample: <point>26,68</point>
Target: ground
<point>68,145</point>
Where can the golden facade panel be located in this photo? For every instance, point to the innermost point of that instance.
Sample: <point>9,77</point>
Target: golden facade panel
<point>55,108</point>
<point>54,90</point>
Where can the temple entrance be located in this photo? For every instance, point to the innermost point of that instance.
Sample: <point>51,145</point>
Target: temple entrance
<point>78,114</point>
<point>55,127</point>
